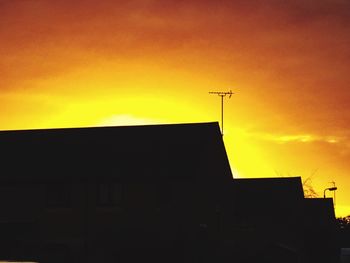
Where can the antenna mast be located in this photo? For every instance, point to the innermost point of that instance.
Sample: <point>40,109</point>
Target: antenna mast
<point>222,94</point>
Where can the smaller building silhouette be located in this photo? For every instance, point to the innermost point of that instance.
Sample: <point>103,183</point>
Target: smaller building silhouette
<point>269,220</point>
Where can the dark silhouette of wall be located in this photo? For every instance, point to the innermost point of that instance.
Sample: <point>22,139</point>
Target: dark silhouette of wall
<point>112,193</point>
<point>157,193</point>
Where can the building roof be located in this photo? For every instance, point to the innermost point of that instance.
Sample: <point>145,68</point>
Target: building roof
<point>319,211</point>
<point>284,187</point>
<point>267,196</point>
<point>192,151</point>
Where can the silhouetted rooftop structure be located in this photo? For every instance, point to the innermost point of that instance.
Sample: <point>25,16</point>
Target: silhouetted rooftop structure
<point>321,230</point>
<point>320,211</point>
<point>154,193</point>
<point>105,194</point>
<point>267,196</point>
<point>133,153</point>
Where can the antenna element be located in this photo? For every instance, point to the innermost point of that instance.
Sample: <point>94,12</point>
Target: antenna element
<point>222,94</point>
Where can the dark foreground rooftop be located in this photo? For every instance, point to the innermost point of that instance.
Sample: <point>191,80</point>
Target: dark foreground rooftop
<point>130,152</point>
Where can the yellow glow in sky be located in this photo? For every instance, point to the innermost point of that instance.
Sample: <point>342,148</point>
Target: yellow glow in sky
<point>97,63</point>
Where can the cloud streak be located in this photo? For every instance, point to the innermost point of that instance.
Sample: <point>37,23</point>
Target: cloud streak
<point>298,138</point>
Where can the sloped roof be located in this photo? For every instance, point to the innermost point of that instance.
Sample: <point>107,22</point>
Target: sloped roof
<point>192,151</point>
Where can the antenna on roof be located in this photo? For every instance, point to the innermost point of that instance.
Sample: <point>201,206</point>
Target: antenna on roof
<point>222,94</point>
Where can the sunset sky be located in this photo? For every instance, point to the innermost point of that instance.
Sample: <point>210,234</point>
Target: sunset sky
<point>95,63</point>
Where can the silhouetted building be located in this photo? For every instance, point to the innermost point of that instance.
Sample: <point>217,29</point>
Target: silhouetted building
<point>321,233</point>
<point>269,220</point>
<point>111,194</point>
<point>156,193</point>
<point>265,219</point>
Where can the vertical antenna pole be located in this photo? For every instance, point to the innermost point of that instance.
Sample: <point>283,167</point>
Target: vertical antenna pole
<point>222,115</point>
<point>222,94</point>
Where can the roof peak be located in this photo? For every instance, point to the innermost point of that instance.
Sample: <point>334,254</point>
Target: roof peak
<point>117,126</point>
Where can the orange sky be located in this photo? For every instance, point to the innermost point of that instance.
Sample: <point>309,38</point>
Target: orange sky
<point>87,63</point>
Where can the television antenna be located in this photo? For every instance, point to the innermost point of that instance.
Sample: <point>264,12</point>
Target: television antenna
<point>222,94</point>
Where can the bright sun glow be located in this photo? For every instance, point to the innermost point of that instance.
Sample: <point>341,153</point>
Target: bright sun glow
<point>102,63</point>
